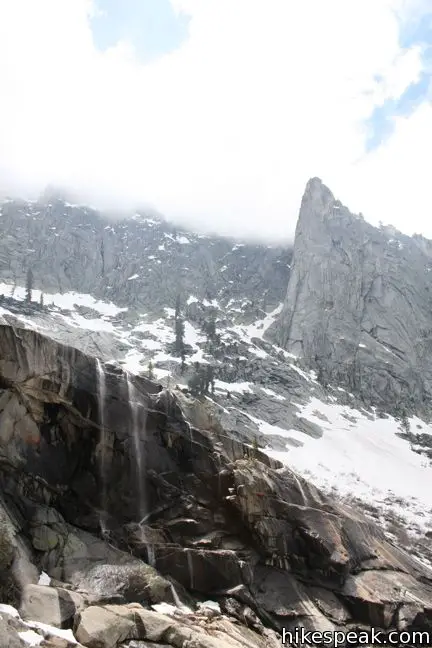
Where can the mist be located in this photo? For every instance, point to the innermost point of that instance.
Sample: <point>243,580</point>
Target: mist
<point>222,133</point>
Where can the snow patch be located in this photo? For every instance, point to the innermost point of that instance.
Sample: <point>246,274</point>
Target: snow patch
<point>31,638</point>
<point>47,630</point>
<point>191,300</point>
<point>44,579</point>
<point>183,240</point>
<point>65,301</point>
<point>210,605</point>
<point>9,610</point>
<point>272,393</point>
<point>238,387</point>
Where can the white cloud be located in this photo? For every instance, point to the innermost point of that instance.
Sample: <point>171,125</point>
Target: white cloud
<point>226,130</point>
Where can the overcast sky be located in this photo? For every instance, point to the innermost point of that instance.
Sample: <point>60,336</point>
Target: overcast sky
<point>217,112</point>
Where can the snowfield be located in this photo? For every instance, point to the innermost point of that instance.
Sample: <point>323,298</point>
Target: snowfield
<point>365,459</point>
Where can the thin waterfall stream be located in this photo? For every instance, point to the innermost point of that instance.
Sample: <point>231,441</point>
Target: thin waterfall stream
<point>100,373</point>
<point>138,422</point>
<point>137,445</point>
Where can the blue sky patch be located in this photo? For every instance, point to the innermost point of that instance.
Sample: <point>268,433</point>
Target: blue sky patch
<point>381,124</point>
<point>151,26</point>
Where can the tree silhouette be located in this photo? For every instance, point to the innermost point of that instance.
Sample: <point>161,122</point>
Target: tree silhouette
<point>29,285</point>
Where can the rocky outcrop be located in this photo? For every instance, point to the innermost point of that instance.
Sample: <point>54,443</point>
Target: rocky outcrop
<point>54,606</point>
<point>107,627</point>
<point>358,305</point>
<point>96,484</point>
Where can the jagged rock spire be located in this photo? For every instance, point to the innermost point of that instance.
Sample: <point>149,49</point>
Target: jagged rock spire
<point>358,299</point>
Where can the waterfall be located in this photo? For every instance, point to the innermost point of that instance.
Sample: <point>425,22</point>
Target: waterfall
<point>138,455</point>
<point>138,417</point>
<point>176,597</point>
<point>100,375</point>
<point>301,489</point>
<point>151,557</point>
<point>190,568</point>
<point>177,600</point>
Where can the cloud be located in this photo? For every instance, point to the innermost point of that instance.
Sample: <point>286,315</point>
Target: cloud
<point>223,132</point>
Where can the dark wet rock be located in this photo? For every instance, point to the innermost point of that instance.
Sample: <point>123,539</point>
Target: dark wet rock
<point>132,582</point>
<point>221,518</point>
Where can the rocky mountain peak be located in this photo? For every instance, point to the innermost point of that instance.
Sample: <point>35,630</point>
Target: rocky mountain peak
<point>319,205</point>
<point>358,304</point>
<point>317,192</point>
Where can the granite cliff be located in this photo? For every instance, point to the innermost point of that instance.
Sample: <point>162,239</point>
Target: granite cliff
<point>358,307</point>
<point>125,503</point>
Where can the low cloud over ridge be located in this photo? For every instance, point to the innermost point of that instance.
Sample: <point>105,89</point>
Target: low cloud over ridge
<point>225,131</point>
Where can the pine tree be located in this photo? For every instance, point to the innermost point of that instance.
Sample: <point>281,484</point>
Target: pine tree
<point>41,300</point>
<point>255,446</point>
<point>210,330</point>
<point>177,307</point>
<point>179,336</point>
<point>405,424</point>
<point>210,379</point>
<point>202,380</point>
<point>194,382</point>
<point>29,285</point>
<point>179,329</point>
<point>183,361</point>
<point>150,372</point>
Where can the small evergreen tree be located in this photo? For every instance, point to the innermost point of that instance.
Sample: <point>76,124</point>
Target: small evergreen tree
<point>179,329</point>
<point>194,382</point>
<point>210,327</point>
<point>321,377</point>
<point>202,380</point>
<point>405,423</point>
<point>177,307</point>
<point>255,446</point>
<point>210,379</point>
<point>150,371</point>
<point>29,285</point>
<point>41,300</point>
<point>179,336</point>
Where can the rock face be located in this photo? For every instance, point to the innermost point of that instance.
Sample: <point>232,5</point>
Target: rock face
<point>95,484</point>
<point>137,262</point>
<point>358,305</point>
